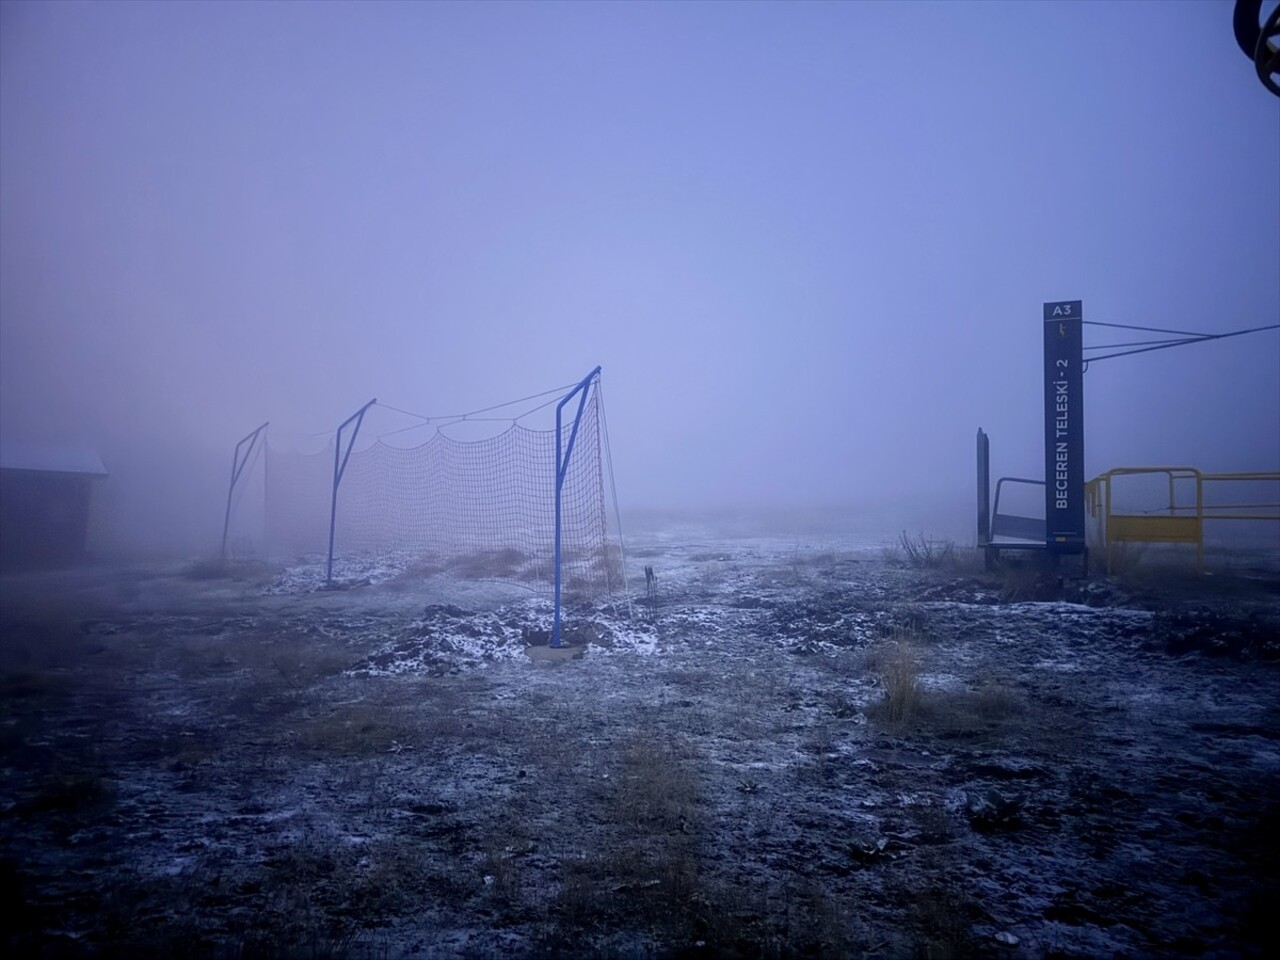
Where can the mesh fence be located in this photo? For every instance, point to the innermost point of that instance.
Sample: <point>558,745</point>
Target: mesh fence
<point>477,509</point>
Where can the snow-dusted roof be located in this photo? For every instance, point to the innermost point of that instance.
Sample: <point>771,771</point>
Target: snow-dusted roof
<point>50,458</point>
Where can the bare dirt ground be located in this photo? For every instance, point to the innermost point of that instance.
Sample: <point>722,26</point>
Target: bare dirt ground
<point>796,751</point>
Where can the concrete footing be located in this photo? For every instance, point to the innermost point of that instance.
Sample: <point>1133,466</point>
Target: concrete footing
<point>550,654</point>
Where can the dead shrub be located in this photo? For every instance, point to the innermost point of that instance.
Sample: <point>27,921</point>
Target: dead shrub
<point>920,551</point>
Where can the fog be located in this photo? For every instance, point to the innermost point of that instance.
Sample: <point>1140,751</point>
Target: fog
<point>808,245</point>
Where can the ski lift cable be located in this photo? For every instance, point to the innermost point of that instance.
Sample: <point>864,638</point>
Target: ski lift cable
<point>1139,343</point>
<point>1194,338</point>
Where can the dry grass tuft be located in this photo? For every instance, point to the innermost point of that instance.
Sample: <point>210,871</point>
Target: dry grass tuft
<point>657,787</point>
<point>980,712</point>
<point>208,568</point>
<point>503,564</point>
<point>1019,582</point>
<point>897,663</point>
<point>994,702</point>
<point>356,730</point>
<point>976,715</point>
<point>648,875</point>
<point>944,921</point>
<point>1124,561</point>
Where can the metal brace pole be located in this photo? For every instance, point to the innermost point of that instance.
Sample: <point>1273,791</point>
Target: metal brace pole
<point>338,471</point>
<point>562,469</point>
<point>237,467</point>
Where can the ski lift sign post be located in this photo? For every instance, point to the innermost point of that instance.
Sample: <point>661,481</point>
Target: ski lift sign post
<point>1064,427</point>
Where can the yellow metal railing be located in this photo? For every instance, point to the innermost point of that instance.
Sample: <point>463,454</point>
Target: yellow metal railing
<point>1175,522</point>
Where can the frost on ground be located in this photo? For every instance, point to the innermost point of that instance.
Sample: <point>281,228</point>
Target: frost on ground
<point>448,639</point>
<point>313,573</point>
<point>785,750</point>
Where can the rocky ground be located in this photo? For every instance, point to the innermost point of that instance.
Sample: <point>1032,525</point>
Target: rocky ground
<point>792,751</point>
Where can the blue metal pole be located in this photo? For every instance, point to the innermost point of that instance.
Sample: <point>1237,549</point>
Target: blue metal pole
<point>338,471</point>
<point>562,469</point>
<point>333,508</point>
<point>555,626</point>
<point>237,467</point>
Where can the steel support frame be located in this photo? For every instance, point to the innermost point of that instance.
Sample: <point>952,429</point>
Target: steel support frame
<point>564,454</point>
<point>238,464</point>
<point>338,471</point>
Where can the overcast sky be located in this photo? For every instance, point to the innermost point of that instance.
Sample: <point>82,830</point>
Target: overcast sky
<point>808,244</point>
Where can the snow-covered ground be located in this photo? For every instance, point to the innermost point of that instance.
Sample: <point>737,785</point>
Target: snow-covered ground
<point>258,766</point>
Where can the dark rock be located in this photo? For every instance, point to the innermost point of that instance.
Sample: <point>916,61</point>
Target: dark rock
<point>993,810</point>
<point>532,637</point>
<point>1242,636</point>
<point>1007,768</point>
<point>867,850</point>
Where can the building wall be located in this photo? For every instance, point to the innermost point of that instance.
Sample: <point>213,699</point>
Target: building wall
<point>44,518</point>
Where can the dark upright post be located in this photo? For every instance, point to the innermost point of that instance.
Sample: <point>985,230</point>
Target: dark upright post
<point>984,488</point>
<point>1064,427</point>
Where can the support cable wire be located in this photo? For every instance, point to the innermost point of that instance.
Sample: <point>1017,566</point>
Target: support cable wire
<point>554,393</point>
<point>558,391</point>
<point>1130,326</point>
<point>1190,338</point>
<point>449,420</point>
<point>1139,343</point>
<point>512,420</point>
<point>613,489</point>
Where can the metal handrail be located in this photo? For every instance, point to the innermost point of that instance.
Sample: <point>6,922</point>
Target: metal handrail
<point>996,516</point>
<point>1098,498</point>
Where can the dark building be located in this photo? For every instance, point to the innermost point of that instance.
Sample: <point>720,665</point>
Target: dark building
<point>45,496</point>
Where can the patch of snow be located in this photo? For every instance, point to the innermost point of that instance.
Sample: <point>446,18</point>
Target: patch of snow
<point>309,575</point>
<point>946,682</point>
